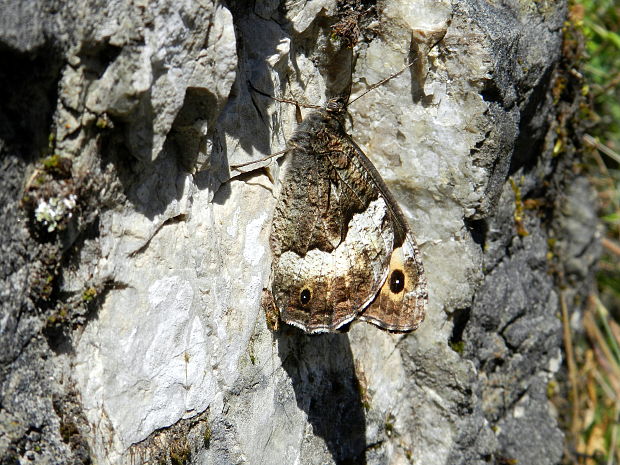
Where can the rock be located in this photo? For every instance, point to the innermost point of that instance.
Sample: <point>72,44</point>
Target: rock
<point>134,330</point>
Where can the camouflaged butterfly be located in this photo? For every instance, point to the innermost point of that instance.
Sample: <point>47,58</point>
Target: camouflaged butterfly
<point>342,249</point>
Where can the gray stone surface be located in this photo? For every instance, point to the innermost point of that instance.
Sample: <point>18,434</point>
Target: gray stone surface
<point>131,331</point>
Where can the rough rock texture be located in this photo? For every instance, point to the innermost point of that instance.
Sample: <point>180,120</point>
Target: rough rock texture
<point>133,258</point>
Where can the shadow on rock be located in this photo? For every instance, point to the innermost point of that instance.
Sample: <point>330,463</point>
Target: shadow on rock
<point>326,387</point>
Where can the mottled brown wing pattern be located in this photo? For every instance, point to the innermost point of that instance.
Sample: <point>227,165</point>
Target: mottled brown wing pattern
<point>340,244</point>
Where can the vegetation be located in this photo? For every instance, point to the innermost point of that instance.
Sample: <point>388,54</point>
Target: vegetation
<point>596,371</point>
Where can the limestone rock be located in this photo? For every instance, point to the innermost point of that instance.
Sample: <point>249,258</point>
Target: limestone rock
<point>134,332</point>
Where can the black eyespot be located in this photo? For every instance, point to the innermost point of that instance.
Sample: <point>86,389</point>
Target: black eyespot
<point>397,281</point>
<point>304,297</point>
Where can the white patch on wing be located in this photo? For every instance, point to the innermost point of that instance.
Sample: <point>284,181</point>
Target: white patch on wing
<point>368,234</point>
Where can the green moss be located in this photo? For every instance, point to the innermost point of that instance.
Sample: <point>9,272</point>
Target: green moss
<point>89,294</point>
<point>104,122</point>
<point>458,347</point>
<point>45,287</point>
<point>52,320</point>
<point>57,318</point>
<point>180,458</point>
<point>51,162</point>
<point>552,388</point>
<point>39,180</point>
<point>56,166</point>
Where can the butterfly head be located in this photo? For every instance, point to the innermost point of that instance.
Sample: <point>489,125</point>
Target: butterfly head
<point>336,105</point>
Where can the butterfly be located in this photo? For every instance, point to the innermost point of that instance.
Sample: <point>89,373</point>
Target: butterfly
<point>342,249</point>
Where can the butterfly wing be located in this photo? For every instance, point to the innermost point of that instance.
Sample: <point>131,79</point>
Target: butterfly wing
<point>337,234</point>
<point>331,238</point>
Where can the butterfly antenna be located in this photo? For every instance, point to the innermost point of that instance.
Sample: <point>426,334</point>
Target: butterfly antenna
<point>383,81</point>
<point>273,155</point>
<point>283,100</point>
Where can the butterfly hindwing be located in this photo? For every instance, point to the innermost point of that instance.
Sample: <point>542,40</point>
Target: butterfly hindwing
<point>400,305</point>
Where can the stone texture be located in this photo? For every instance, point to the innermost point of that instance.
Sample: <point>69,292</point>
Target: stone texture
<point>133,331</point>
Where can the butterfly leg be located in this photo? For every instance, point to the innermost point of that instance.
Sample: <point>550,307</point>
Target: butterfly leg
<point>272,315</point>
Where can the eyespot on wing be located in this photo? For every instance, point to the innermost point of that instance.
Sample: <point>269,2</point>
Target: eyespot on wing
<point>400,304</point>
